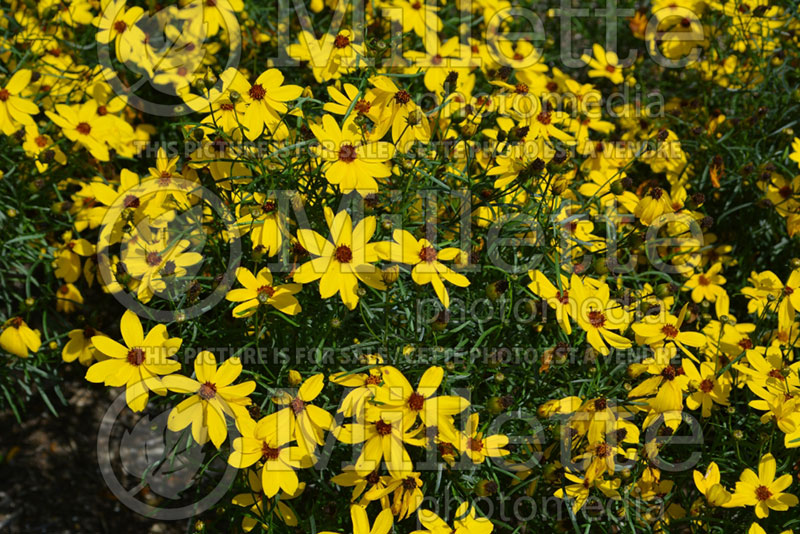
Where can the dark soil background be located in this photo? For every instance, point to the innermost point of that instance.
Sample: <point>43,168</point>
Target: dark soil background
<point>50,481</point>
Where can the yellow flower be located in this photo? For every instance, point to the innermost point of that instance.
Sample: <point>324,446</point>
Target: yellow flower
<point>709,485</point>
<point>349,162</point>
<point>341,263</point>
<point>427,267</point>
<point>18,338</point>
<point>598,315</point>
<point>477,446</point>
<point>558,299</point>
<point>709,388</point>
<point>309,421</point>
<point>407,489</point>
<point>465,522</point>
<point>80,346</point>
<point>653,205</point>
<point>764,491</point>
<point>81,123</point>
<point>268,441</point>
<point>358,514</point>
<point>266,102</point>
<point>68,298</point>
<point>213,397</point>
<point>708,286</point>
<point>604,65</point>
<point>666,328</point>
<point>16,111</point>
<point>259,290</point>
<point>137,364</point>
<point>397,396</point>
<point>261,507</point>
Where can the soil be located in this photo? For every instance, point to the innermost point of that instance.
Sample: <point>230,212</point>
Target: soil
<point>50,480</point>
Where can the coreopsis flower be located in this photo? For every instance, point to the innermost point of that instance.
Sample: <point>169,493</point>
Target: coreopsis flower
<point>763,491</point>
<point>397,395</point>
<point>708,286</point>
<point>708,484</point>
<point>18,338</point>
<point>666,328</point>
<point>264,220</point>
<point>114,21</point>
<point>344,260</point>
<point>154,257</point>
<point>83,124</point>
<point>709,389</point>
<point>362,385</point>
<point>795,155</point>
<point>604,65</point>
<point>465,522</point>
<point>68,257</point>
<point>358,514</point>
<point>259,290</point>
<point>137,364</point>
<point>397,111</point>
<point>577,490</point>
<point>790,303</point>
<point>261,507</point>
<point>15,110</point>
<point>362,485</point>
<point>407,489</point>
<point>348,161</point>
<point>266,102</point>
<point>655,203</point>
<point>269,442</point>
<point>42,148</point>
<point>426,262</point>
<point>214,396</point>
<point>665,387</point>
<point>68,298</point>
<point>309,421</point>
<point>477,446</point>
<point>598,315</point>
<point>80,346</point>
<point>384,438</point>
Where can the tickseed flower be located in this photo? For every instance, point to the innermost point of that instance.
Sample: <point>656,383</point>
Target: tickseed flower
<point>708,286</point>
<point>604,65</point>
<point>556,298</point>
<point>80,346</point>
<point>349,162</point>
<point>82,123</point>
<point>268,442</point>
<point>598,315</point>
<point>214,395</point>
<point>426,262</point>
<point>465,522</point>
<point>666,328</point>
<point>260,290</point>
<point>477,446</point>
<point>407,489</point>
<point>137,364</point>
<point>18,338</point>
<point>398,396</point>
<point>358,514</point>
<point>363,386</point>
<point>309,421</point>
<point>16,111</point>
<point>344,260</point>
<point>764,491</point>
<point>708,484</point>
<point>266,101</point>
<point>261,507</point>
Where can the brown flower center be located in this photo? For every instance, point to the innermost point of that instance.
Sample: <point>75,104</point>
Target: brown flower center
<point>136,356</point>
<point>785,191</point>
<point>268,453</point>
<point>475,444</point>
<point>402,97</point>
<point>297,405</point>
<point>611,68</point>
<point>706,386</point>
<point>600,404</point>
<point>562,296</point>
<point>669,372</point>
<point>669,331</point>
<point>153,259</point>
<point>347,153</point>
<point>383,428</point>
<point>656,193</point>
<point>257,92</point>
<point>763,493</point>
<point>427,254</point>
<point>521,89</point>
<point>41,141</point>
<point>362,106</point>
<point>544,117</point>
<point>597,319</point>
<point>341,41</point>
<point>703,281</point>
<point>603,450</point>
<point>131,201</point>
<point>343,254</point>
<point>120,26</point>
<point>207,391</point>
<point>4,95</point>
<point>83,128</point>
<point>416,401</point>
<point>410,483</point>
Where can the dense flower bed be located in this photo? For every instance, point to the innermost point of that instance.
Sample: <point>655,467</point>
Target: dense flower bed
<point>415,267</point>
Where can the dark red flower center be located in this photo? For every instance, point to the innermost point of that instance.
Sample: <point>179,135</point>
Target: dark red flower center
<point>136,356</point>
<point>207,391</point>
<point>341,41</point>
<point>343,254</point>
<point>416,401</point>
<point>268,453</point>
<point>297,405</point>
<point>597,319</point>
<point>475,444</point>
<point>257,92</point>
<point>383,428</point>
<point>347,153</point>
<point>669,331</point>
<point>763,493</point>
<point>4,95</point>
<point>83,128</point>
<point>153,259</point>
<point>427,254</point>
